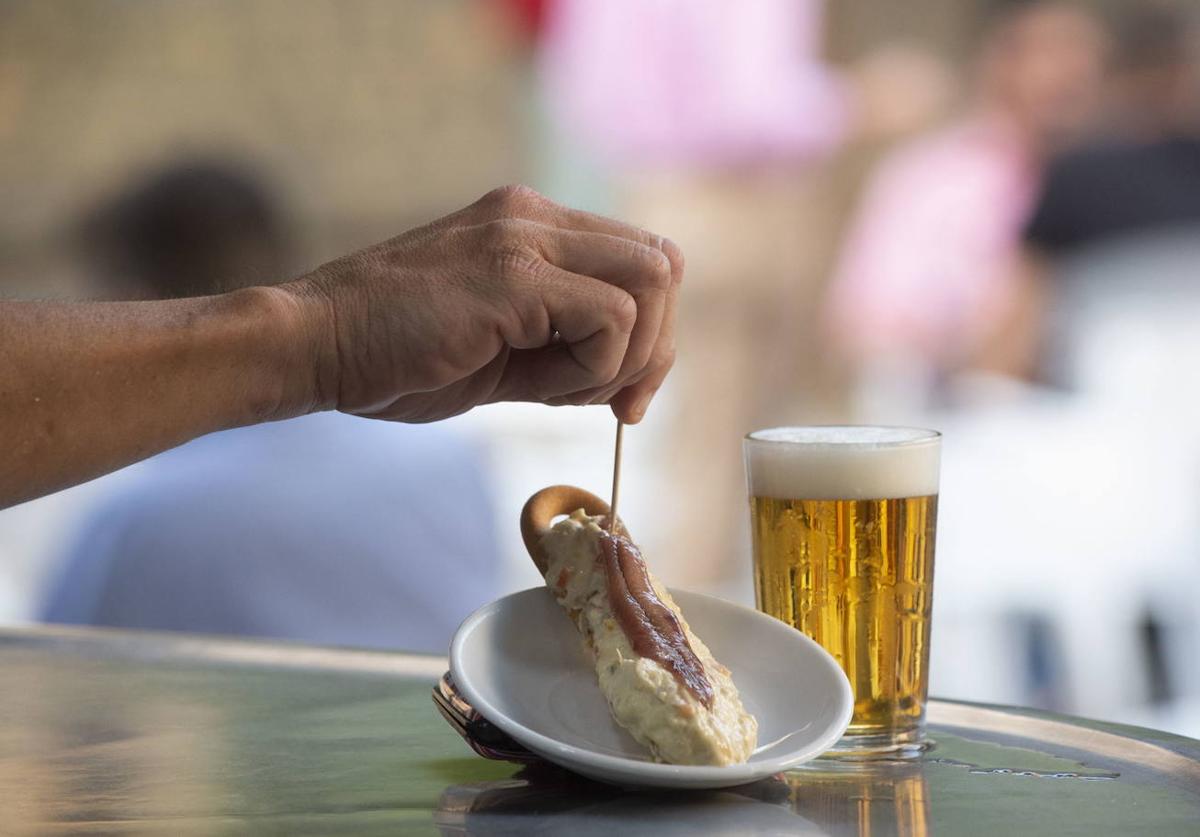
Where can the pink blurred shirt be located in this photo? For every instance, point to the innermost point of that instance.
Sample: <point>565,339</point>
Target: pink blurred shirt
<point>691,81</point>
<point>925,264</point>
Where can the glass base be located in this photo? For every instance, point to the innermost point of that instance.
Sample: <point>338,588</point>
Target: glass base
<point>879,746</point>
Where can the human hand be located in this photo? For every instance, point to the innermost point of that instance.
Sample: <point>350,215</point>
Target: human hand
<point>513,298</point>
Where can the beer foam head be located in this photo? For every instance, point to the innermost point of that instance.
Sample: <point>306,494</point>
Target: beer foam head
<point>842,462</point>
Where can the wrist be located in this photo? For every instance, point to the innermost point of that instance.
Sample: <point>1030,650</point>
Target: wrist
<point>314,338</point>
<point>292,334</point>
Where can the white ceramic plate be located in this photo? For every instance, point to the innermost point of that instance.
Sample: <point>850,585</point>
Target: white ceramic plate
<point>521,663</point>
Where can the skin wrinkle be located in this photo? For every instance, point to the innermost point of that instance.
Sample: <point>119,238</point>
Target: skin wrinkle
<point>652,628</point>
<point>335,338</point>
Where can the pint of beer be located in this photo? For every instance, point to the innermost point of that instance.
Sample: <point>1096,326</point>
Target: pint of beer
<point>843,522</point>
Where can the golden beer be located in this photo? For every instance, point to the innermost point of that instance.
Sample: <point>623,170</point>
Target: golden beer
<point>843,523</point>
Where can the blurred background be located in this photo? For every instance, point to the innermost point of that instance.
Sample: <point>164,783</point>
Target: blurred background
<point>982,217</point>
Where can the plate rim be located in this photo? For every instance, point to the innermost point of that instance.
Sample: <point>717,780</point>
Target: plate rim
<point>610,764</point>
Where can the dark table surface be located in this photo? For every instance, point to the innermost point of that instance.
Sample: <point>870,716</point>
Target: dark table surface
<point>108,732</point>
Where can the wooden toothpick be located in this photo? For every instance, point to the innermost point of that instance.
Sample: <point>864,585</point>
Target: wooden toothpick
<point>612,507</point>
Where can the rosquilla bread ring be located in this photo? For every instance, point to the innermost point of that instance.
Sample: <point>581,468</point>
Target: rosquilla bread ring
<point>543,507</point>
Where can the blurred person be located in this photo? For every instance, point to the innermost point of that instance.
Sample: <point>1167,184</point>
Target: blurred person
<point>314,528</point>
<point>712,115</point>
<point>513,298</point>
<point>1143,172</point>
<point>1112,246</point>
<point>190,229</point>
<point>925,271</point>
<point>1109,252</point>
<point>1128,197</point>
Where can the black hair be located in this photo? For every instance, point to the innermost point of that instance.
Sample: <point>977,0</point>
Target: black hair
<point>190,229</point>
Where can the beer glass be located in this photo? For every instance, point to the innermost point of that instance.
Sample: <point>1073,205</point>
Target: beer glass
<point>843,522</point>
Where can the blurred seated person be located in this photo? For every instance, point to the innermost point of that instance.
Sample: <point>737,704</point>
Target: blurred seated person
<point>323,528</point>
<point>1143,173</point>
<point>1134,187</point>
<point>925,270</point>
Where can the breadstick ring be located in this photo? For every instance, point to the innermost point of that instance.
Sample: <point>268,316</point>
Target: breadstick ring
<point>543,507</point>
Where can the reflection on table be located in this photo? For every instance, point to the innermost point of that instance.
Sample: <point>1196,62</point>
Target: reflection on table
<point>826,800</point>
<point>110,731</point>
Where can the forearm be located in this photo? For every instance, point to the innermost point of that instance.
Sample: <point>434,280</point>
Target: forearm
<point>86,388</point>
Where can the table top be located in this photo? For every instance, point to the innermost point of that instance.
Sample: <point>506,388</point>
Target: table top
<point>105,732</point>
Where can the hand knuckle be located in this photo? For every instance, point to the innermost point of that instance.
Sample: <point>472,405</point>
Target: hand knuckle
<point>673,253</point>
<point>502,233</point>
<point>659,272</point>
<point>489,204</point>
<point>514,262</point>
<point>668,258</point>
<point>641,359</point>
<point>608,370</point>
<point>530,324</point>
<point>511,199</point>
<point>623,312</point>
<point>507,249</point>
